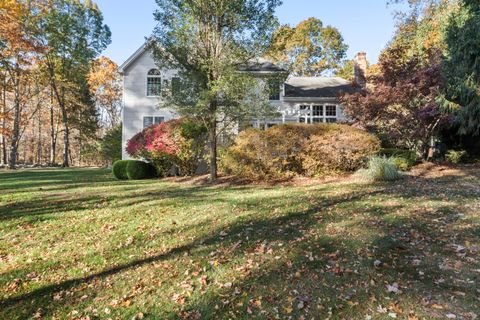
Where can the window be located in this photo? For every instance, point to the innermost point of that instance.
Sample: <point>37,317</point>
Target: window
<point>150,121</point>
<point>317,113</point>
<point>274,89</point>
<point>331,111</point>
<point>154,83</point>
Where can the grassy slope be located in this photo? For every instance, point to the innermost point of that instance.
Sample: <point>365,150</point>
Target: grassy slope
<point>75,243</point>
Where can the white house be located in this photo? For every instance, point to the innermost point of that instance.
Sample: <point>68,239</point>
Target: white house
<point>299,99</point>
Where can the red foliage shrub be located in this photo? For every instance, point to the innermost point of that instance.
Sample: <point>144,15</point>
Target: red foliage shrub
<point>176,143</point>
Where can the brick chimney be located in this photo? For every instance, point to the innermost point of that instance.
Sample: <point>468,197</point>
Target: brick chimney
<point>361,69</point>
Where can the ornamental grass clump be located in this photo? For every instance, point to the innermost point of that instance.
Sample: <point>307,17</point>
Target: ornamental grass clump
<point>381,169</point>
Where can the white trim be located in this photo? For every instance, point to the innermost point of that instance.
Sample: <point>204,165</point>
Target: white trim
<point>132,58</point>
<point>310,117</point>
<point>332,100</point>
<point>153,123</point>
<point>153,76</point>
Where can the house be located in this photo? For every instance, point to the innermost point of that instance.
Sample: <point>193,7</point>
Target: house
<point>298,99</point>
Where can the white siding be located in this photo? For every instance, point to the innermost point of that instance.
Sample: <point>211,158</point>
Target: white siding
<point>136,103</point>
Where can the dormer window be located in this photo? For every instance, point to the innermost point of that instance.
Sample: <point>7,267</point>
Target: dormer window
<point>154,83</point>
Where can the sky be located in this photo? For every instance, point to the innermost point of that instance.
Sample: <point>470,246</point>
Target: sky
<point>365,25</point>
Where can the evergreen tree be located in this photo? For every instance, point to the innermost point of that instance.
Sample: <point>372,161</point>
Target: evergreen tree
<point>462,66</point>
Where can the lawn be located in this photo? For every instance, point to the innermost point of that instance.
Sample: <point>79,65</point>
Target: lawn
<point>76,244</point>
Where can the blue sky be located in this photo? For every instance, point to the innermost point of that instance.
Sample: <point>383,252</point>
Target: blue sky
<point>365,25</point>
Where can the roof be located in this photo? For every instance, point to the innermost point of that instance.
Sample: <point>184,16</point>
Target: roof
<point>258,65</point>
<point>133,57</point>
<point>316,87</point>
<point>261,65</point>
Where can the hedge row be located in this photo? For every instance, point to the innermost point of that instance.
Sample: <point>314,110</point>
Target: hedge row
<point>298,149</point>
<point>133,170</point>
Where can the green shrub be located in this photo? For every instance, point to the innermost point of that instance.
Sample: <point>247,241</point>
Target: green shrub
<point>456,157</point>
<point>381,169</point>
<point>297,149</point>
<point>119,169</point>
<point>139,170</point>
<point>404,159</point>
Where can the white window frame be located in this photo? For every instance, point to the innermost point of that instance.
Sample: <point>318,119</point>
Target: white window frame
<point>153,120</point>
<point>309,118</point>
<point>146,83</point>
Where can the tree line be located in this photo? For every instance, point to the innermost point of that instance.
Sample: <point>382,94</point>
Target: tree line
<point>57,96</point>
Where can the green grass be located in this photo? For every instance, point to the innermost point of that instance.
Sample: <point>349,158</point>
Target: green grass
<point>77,244</point>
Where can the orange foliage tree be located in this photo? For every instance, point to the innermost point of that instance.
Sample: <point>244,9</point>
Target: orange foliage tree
<point>105,86</point>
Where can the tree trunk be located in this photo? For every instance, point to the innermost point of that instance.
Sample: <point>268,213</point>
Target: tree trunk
<point>53,136</point>
<point>16,129</point>
<point>212,137</point>
<point>39,139</point>
<point>66,137</point>
<point>3,140</point>
<point>66,131</point>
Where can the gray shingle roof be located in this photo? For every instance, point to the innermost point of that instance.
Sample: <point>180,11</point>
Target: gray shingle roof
<point>261,65</point>
<point>317,87</point>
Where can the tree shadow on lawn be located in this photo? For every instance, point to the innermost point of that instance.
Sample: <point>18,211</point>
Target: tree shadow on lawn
<point>128,195</point>
<point>292,226</point>
<point>26,180</point>
<point>341,276</point>
<point>419,261</point>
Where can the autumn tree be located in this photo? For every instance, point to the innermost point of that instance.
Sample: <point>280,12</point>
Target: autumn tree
<point>209,42</point>
<point>401,101</point>
<point>106,87</point>
<point>347,70</point>
<point>75,34</point>
<point>309,49</point>
<point>18,47</point>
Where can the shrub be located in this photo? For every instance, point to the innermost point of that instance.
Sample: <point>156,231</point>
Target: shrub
<point>139,170</point>
<point>176,143</point>
<point>270,154</point>
<point>338,149</point>
<point>119,169</point>
<point>456,157</point>
<point>404,159</point>
<point>381,169</point>
<point>297,149</point>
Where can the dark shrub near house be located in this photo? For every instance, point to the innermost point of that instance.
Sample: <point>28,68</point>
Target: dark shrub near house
<point>119,169</point>
<point>297,149</point>
<point>139,170</point>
